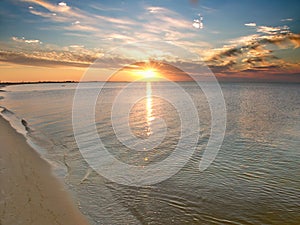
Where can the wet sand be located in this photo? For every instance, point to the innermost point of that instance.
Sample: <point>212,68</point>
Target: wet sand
<point>29,193</point>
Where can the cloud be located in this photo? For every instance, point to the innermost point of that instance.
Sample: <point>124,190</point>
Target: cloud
<point>295,39</point>
<point>262,68</point>
<point>253,54</point>
<point>287,20</point>
<point>63,4</point>
<point>69,13</point>
<point>115,20</point>
<point>79,21</point>
<point>42,60</point>
<point>282,40</point>
<point>71,56</point>
<point>160,10</point>
<point>226,67</point>
<point>76,46</point>
<point>257,42</point>
<point>47,15</point>
<point>60,7</point>
<point>208,9</point>
<point>47,55</point>
<point>172,26</point>
<point>23,40</point>
<point>79,27</point>
<point>59,12</point>
<point>167,21</point>
<point>250,24</point>
<point>244,39</point>
<point>105,8</point>
<point>166,18</point>
<point>121,37</point>
<point>273,30</point>
<point>250,55</point>
<point>198,23</point>
<point>76,22</point>
<point>276,72</point>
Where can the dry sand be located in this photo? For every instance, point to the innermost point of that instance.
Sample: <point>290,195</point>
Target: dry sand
<point>29,193</point>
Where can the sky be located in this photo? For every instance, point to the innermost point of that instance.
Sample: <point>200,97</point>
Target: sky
<point>43,40</point>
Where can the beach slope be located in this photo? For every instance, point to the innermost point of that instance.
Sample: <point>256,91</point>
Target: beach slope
<point>29,193</point>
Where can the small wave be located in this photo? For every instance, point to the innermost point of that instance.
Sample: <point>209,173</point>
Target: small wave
<point>1,97</point>
<point>6,111</point>
<point>14,119</point>
<point>36,140</point>
<point>67,165</point>
<point>25,124</point>
<point>86,176</point>
<point>2,91</point>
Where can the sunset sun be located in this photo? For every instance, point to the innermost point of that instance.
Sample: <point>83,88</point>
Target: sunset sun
<point>148,73</point>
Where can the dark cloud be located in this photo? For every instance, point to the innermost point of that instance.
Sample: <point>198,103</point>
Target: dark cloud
<point>282,39</point>
<point>256,43</point>
<point>262,58</point>
<point>262,68</point>
<point>228,53</point>
<point>222,68</point>
<point>253,53</point>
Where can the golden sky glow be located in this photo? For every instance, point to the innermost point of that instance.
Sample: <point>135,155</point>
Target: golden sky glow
<point>150,71</point>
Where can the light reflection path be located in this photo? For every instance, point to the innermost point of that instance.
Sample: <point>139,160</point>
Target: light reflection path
<point>156,130</point>
<point>149,108</point>
<point>106,164</point>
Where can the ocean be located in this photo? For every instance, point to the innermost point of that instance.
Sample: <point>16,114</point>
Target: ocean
<point>254,178</point>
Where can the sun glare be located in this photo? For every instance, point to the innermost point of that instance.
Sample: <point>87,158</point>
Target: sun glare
<point>148,73</point>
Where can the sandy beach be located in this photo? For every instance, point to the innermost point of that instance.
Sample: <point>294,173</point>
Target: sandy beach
<point>29,193</point>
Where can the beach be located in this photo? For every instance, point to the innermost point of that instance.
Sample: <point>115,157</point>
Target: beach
<point>30,194</point>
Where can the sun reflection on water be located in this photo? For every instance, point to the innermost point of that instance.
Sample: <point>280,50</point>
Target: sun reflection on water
<point>149,117</point>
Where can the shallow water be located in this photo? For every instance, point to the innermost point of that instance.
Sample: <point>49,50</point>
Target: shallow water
<point>255,178</point>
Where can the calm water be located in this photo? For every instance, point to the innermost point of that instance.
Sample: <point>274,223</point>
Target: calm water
<point>255,178</point>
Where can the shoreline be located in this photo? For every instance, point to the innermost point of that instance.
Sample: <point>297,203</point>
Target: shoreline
<point>29,192</point>
<point>221,81</point>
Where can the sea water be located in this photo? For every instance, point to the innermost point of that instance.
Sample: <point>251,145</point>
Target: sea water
<point>255,178</point>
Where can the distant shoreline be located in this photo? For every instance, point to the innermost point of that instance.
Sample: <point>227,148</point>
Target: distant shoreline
<point>2,84</point>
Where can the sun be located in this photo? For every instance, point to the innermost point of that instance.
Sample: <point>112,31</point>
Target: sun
<point>144,73</point>
<point>148,73</point>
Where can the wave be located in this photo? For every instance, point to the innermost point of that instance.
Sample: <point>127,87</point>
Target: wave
<point>6,111</point>
<point>20,125</point>
<point>25,124</point>
<point>2,90</point>
<point>36,139</point>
